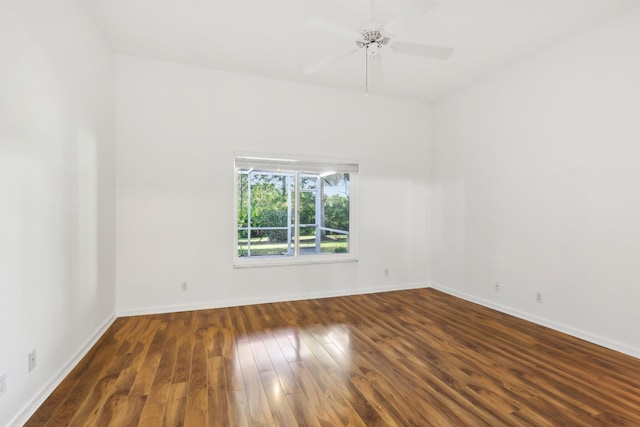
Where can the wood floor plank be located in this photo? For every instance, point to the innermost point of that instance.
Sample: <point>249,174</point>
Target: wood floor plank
<point>360,404</point>
<point>256,397</point>
<point>301,410</point>
<point>154,409</point>
<point>322,409</point>
<point>88,396</point>
<point>260,354</point>
<point>197,396</point>
<point>407,358</point>
<point>148,368</point>
<point>218,407</point>
<point>175,410</point>
<point>174,413</point>
<point>238,409</point>
<point>280,409</point>
<point>115,397</point>
<point>280,364</point>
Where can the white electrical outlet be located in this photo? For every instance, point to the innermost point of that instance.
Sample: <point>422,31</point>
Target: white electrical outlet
<point>538,297</point>
<point>386,271</point>
<point>32,360</point>
<point>3,383</point>
<point>184,286</point>
<point>497,286</point>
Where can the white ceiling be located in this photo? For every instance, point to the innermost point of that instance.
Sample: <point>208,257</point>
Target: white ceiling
<point>270,37</point>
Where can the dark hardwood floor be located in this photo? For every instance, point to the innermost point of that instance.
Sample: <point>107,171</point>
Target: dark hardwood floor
<point>407,358</point>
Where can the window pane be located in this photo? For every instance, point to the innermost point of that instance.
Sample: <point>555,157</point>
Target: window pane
<point>243,248</point>
<point>307,210</point>
<point>243,213</point>
<point>308,244</point>
<point>335,213</point>
<point>308,182</point>
<point>262,246</point>
<point>268,195</point>
<point>334,243</point>
<point>292,220</point>
<point>309,216</point>
<point>335,201</point>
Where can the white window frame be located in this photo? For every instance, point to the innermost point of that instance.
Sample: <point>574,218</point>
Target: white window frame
<point>297,165</point>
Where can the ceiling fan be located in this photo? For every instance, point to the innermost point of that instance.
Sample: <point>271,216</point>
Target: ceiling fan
<point>376,38</point>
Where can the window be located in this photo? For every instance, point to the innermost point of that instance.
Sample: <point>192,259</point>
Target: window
<point>294,211</point>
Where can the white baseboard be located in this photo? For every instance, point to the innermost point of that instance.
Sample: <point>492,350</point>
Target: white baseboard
<point>31,407</point>
<point>594,339</point>
<point>204,305</point>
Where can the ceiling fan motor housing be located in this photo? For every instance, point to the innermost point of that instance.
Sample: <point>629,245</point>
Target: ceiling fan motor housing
<point>373,40</point>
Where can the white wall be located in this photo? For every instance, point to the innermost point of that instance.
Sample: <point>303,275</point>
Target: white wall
<point>537,186</point>
<point>57,203</point>
<point>177,129</point>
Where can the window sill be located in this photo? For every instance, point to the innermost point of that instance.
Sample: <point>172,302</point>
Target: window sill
<point>303,260</point>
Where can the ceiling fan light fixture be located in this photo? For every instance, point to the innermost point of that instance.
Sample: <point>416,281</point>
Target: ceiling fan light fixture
<point>372,40</point>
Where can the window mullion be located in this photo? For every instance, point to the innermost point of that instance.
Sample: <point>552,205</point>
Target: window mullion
<point>319,219</point>
<point>249,214</point>
<point>289,217</point>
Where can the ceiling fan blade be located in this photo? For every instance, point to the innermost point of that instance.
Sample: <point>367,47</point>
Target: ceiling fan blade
<point>330,27</point>
<point>314,68</point>
<point>375,78</point>
<point>423,50</point>
<point>413,12</point>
